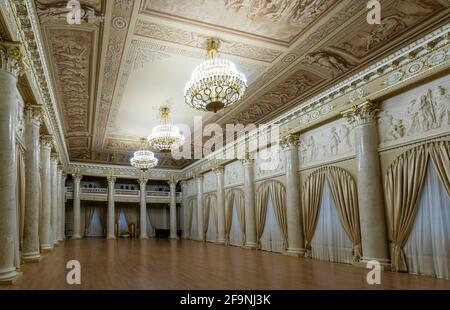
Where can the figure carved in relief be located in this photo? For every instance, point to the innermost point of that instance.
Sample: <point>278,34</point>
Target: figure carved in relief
<point>312,149</point>
<point>335,140</point>
<point>442,106</point>
<point>329,61</point>
<point>344,132</point>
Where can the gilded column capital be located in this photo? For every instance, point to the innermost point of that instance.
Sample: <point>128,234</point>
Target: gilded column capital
<point>33,113</point>
<point>289,141</point>
<point>111,179</point>
<point>55,158</point>
<point>197,176</point>
<point>46,141</point>
<point>11,58</point>
<point>218,169</point>
<point>183,183</point>
<point>77,177</point>
<point>361,114</point>
<point>142,181</point>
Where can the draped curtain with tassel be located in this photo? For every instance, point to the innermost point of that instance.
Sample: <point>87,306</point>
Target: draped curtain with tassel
<point>234,203</point>
<point>403,182</point>
<point>89,214</point>
<point>277,192</point>
<point>209,209</point>
<point>343,190</point>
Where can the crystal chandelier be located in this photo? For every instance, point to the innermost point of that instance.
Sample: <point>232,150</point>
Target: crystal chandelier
<point>216,83</point>
<point>143,158</point>
<point>165,137</point>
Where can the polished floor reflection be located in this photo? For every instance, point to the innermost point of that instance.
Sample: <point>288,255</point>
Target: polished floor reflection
<point>171,264</point>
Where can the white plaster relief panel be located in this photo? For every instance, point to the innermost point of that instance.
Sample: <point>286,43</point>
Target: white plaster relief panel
<point>209,182</point>
<point>330,142</point>
<point>269,162</point>
<point>234,174</point>
<point>422,111</point>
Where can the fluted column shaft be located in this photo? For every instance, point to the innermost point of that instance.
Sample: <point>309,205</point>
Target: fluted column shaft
<point>199,183</point>
<point>59,207</point>
<point>184,209</point>
<point>54,185</point>
<point>249,198</point>
<point>294,223</point>
<point>63,206</point>
<point>110,221</point>
<point>173,209</point>
<point>45,230</point>
<point>10,67</point>
<point>220,186</point>
<point>76,206</point>
<point>31,245</point>
<point>370,191</point>
<point>143,209</point>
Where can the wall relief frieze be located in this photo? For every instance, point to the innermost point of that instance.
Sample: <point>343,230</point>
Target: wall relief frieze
<point>427,112</point>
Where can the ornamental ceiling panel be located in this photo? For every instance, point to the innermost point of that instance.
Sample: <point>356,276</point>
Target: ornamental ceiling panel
<point>112,72</point>
<point>277,21</point>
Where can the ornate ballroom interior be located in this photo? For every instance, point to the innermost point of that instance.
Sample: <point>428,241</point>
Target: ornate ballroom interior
<point>94,103</point>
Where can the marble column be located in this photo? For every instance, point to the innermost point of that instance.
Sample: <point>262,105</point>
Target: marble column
<point>370,191</point>
<point>199,183</point>
<point>143,208</point>
<point>54,185</point>
<point>63,205</point>
<point>294,222</point>
<point>184,211</point>
<point>111,215</point>
<point>45,230</point>
<point>220,186</point>
<point>59,206</point>
<point>249,198</point>
<point>31,244</point>
<point>173,209</point>
<point>10,68</point>
<point>76,206</point>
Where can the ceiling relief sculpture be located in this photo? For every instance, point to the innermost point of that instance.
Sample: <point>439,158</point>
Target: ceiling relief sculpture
<point>71,54</point>
<point>279,21</point>
<point>397,18</point>
<point>193,39</point>
<point>56,11</point>
<point>110,75</point>
<point>290,89</point>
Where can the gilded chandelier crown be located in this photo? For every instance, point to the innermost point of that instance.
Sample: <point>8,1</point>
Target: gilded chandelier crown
<point>216,83</point>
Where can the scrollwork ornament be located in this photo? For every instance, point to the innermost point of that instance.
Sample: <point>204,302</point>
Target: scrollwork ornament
<point>11,58</point>
<point>364,113</point>
<point>289,142</point>
<point>46,141</point>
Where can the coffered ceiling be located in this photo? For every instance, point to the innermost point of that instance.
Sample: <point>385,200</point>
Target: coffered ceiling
<point>112,72</point>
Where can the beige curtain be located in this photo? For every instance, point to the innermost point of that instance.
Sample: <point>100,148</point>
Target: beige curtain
<point>208,206</point>
<point>234,197</point>
<point>102,216</point>
<point>260,213</point>
<point>150,218</point>
<point>343,190</point>
<point>311,194</point>
<point>229,198</point>
<point>403,182</point>
<point>440,154</point>
<point>191,203</point>
<point>89,214</point>
<point>278,193</point>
